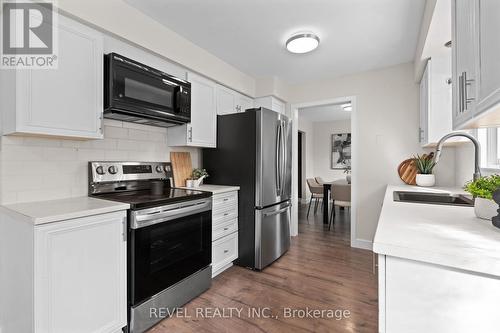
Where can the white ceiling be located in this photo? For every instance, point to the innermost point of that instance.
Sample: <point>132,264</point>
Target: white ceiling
<point>356,35</point>
<point>333,112</point>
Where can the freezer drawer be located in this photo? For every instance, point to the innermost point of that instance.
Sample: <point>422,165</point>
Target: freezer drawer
<point>272,233</point>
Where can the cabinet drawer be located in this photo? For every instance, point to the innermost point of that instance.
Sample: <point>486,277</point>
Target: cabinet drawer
<point>224,229</point>
<point>225,215</point>
<point>223,199</point>
<point>224,251</point>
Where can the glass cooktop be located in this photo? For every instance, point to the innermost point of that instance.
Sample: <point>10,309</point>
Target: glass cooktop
<point>145,198</point>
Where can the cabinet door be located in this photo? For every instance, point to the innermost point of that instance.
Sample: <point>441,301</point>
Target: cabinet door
<point>278,106</point>
<point>203,127</point>
<point>245,103</point>
<point>81,275</point>
<point>464,68</point>
<point>421,297</point>
<point>488,24</point>
<point>226,100</point>
<point>423,136</point>
<point>66,101</point>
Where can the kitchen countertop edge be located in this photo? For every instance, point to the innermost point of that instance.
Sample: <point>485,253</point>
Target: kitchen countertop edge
<point>43,212</point>
<point>215,189</point>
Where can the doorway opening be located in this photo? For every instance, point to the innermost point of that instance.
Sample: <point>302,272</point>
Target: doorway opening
<point>326,157</point>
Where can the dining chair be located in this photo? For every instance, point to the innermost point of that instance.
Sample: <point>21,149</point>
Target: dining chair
<point>341,196</point>
<point>316,194</point>
<point>319,180</point>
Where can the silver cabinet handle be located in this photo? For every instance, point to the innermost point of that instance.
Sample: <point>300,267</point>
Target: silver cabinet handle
<point>460,94</point>
<point>226,251</point>
<point>190,134</point>
<point>467,83</point>
<point>226,229</point>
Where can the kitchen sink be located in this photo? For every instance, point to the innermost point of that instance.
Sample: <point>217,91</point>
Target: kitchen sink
<point>433,198</point>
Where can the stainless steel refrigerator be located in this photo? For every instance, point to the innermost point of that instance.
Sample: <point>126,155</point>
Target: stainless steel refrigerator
<point>254,152</point>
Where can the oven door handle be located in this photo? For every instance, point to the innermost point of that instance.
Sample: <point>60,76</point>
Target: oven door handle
<point>139,220</point>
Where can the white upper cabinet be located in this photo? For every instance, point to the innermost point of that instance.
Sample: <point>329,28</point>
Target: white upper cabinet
<point>423,136</point>
<point>464,68</point>
<point>202,130</point>
<point>476,63</point>
<point>67,101</point>
<point>230,101</point>
<point>488,57</point>
<point>271,103</point>
<point>436,100</point>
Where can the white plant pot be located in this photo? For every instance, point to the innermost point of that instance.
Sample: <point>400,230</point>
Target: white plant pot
<point>485,208</point>
<point>348,178</point>
<point>426,180</point>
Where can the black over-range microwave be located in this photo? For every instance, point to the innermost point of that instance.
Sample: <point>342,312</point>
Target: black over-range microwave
<point>134,92</point>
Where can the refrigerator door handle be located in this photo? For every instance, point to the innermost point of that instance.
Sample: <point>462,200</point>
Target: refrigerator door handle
<point>282,210</point>
<point>283,156</point>
<point>278,160</point>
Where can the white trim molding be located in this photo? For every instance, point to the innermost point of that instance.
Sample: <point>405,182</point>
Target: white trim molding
<point>354,165</point>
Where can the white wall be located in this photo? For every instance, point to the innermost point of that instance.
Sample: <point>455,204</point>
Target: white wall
<point>322,148</point>
<point>387,127</point>
<point>34,169</point>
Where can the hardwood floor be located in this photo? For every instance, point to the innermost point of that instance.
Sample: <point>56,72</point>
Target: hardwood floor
<point>320,272</point>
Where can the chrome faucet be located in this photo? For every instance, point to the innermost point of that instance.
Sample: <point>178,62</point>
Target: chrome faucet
<point>477,150</point>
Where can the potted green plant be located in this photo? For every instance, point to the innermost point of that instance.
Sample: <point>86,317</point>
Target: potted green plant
<point>197,176</point>
<point>425,165</point>
<point>482,189</point>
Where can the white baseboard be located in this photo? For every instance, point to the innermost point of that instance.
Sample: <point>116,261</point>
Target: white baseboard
<point>362,244</point>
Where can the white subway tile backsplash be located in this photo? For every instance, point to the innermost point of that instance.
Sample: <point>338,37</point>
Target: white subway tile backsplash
<point>115,155</point>
<point>127,145</point>
<point>139,135</point>
<point>115,132</point>
<point>33,168</point>
<point>60,154</point>
<point>12,140</point>
<point>41,142</point>
<point>112,122</point>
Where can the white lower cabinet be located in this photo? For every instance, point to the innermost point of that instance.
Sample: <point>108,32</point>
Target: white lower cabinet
<point>416,297</point>
<point>78,280</point>
<point>224,231</point>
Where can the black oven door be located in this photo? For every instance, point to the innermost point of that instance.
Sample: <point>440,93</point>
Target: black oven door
<point>140,89</point>
<point>166,245</point>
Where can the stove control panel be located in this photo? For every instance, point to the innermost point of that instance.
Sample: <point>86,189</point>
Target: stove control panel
<point>105,171</point>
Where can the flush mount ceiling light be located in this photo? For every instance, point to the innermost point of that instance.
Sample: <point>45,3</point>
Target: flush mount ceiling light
<point>347,107</point>
<point>302,42</point>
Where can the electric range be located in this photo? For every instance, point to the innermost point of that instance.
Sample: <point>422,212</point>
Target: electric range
<point>169,236</point>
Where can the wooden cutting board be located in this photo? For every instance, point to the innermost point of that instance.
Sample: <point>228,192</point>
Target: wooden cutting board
<point>408,171</point>
<point>182,167</point>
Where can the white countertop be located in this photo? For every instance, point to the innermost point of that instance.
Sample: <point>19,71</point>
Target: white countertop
<point>41,212</point>
<point>439,234</point>
<point>215,189</point>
